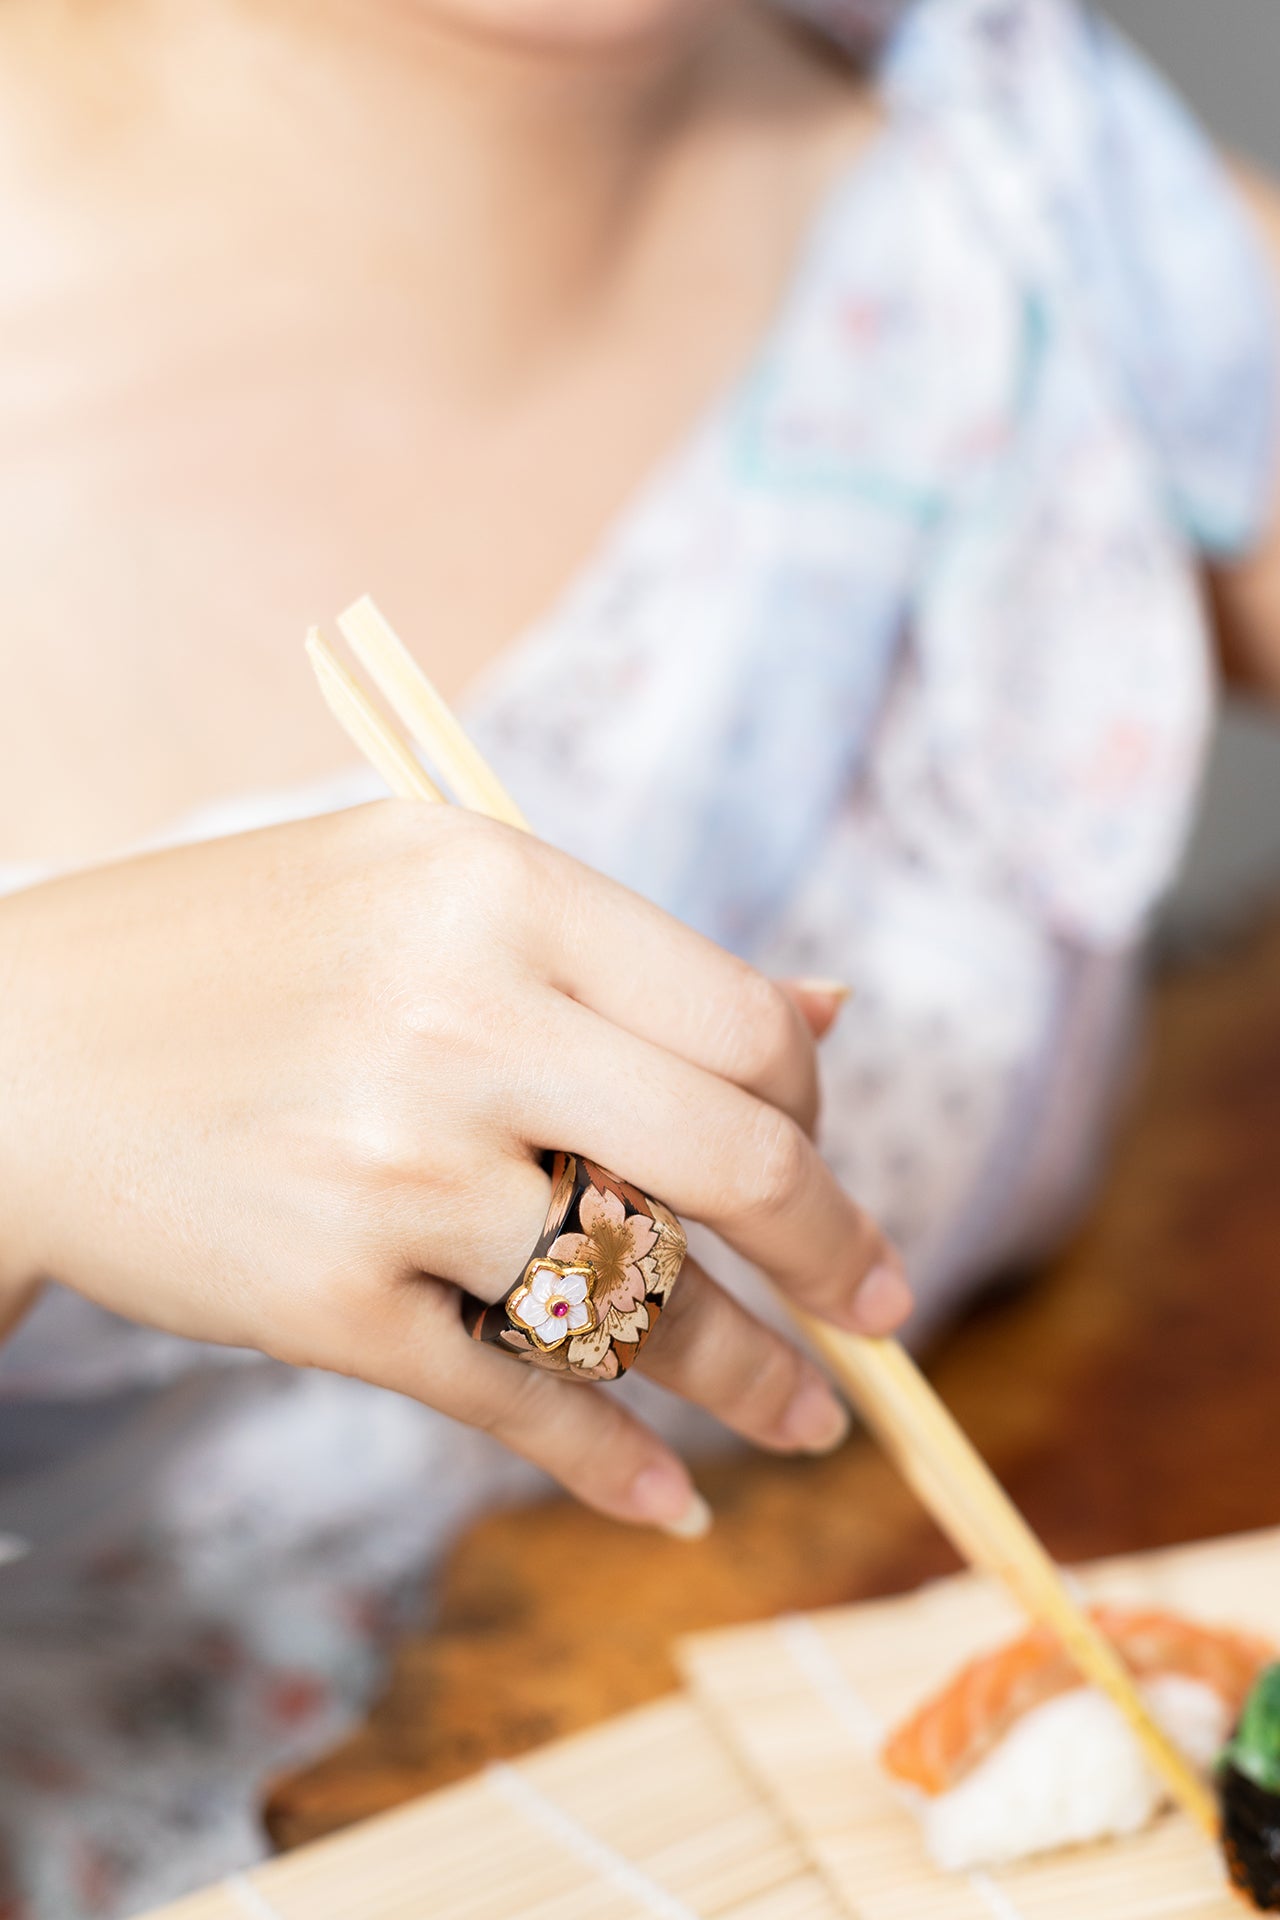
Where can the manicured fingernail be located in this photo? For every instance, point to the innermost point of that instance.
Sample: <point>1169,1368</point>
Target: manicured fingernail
<point>815,1420</point>
<point>837,990</point>
<point>694,1522</point>
<point>663,1496</point>
<point>883,1301</point>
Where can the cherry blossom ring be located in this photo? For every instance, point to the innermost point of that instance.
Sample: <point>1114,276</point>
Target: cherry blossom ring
<point>596,1282</point>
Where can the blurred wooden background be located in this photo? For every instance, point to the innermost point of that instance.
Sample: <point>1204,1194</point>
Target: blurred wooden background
<point>1129,1398</point>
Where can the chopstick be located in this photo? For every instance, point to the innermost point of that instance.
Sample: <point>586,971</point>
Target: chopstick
<point>429,721</point>
<point>352,708</point>
<point>938,1459</point>
<point>897,1402</point>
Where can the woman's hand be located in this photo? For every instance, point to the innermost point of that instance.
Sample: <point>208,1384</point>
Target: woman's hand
<point>287,1091</point>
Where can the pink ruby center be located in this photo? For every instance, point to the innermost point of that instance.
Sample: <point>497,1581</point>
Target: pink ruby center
<point>559,1308</point>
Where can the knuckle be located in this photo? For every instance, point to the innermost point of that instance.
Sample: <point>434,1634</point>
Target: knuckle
<point>436,1305</point>
<point>387,846</point>
<point>775,1161</point>
<point>490,860</point>
<point>508,1410</point>
<point>765,1382</point>
<point>398,823</point>
<point>455,871</point>
<point>439,1015</point>
<point>601,1472</point>
<point>370,1137</point>
<point>767,1038</point>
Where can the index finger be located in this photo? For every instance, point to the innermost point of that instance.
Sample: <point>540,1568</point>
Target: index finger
<point>717,1154</point>
<point>649,974</point>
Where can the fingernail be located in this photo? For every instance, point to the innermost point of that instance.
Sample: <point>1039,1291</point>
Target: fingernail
<point>815,1419</point>
<point>883,1301</point>
<point>663,1496</point>
<point>837,990</point>
<point>694,1522</point>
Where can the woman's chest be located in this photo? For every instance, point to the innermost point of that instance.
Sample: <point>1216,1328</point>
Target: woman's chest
<point>228,420</point>
<point>179,503</point>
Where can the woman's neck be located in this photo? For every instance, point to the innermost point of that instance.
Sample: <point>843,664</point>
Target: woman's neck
<point>511,184</point>
<point>521,171</point>
<point>526,172</point>
<point>296,311</point>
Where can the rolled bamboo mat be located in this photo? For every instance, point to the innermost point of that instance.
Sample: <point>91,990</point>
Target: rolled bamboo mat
<point>805,1702</point>
<point>645,1818</point>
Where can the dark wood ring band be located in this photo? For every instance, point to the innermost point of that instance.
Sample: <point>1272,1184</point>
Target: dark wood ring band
<point>595,1284</point>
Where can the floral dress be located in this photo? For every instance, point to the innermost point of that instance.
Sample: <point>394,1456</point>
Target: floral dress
<point>896,671</point>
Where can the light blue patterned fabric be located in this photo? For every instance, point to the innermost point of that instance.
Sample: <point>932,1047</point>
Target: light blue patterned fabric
<point>1142,237</point>
<point>1024,374</point>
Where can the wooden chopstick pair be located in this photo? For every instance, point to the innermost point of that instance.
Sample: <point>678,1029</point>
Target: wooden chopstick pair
<point>893,1396</point>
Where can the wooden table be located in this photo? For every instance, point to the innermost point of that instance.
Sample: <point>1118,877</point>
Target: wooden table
<point>1129,1398</point>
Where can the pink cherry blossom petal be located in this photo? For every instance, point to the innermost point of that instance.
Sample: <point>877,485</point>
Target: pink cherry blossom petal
<point>572,1250</point>
<point>643,1234</point>
<point>628,1292</point>
<point>600,1209</point>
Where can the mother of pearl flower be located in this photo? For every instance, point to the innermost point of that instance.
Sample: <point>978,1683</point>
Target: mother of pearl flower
<point>554,1302</point>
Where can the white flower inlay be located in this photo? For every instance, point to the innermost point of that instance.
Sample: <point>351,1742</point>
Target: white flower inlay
<point>554,1303</point>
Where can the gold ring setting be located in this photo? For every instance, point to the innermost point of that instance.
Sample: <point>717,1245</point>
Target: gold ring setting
<point>597,1281</point>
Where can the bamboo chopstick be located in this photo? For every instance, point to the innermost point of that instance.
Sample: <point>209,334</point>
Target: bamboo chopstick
<point>912,1423</point>
<point>429,721</point>
<point>352,708</point>
<point>937,1458</point>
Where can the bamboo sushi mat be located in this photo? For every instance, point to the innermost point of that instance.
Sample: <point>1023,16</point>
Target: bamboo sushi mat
<point>756,1796</point>
<point>806,1701</point>
<point>645,1818</point>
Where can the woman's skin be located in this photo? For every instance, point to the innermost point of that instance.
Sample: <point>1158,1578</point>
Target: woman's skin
<point>1245,596</point>
<point>303,300</point>
<point>300,299</point>
<point>281,1090</point>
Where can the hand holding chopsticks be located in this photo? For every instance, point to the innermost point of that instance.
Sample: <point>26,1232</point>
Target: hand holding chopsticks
<point>897,1402</point>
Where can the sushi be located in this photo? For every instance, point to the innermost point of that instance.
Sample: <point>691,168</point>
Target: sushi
<point>1017,1756</point>
<point>1249,1793</point>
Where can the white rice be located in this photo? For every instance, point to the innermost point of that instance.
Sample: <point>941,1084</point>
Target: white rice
<point>1068,1772</point>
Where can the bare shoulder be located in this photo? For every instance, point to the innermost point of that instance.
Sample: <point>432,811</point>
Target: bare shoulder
<point>1261,195</point>
<point>1246,593</point>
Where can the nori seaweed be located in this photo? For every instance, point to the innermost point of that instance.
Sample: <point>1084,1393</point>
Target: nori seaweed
<point>1251,1836</point>
<point>1249,1795</point>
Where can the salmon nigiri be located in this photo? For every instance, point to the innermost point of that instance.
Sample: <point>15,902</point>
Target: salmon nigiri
<point>1017,1755</point>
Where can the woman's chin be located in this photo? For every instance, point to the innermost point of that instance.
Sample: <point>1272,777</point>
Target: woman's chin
<point>586,26</point>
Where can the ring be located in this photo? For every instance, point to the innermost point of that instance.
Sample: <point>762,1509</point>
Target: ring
<point>595,1284</point>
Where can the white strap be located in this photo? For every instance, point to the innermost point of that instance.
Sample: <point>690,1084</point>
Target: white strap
<point>621,1874</point>
<point>998,1903</point>
<point>811,1654</point>
<point>250,1899</point>
<point>812,1657</point>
